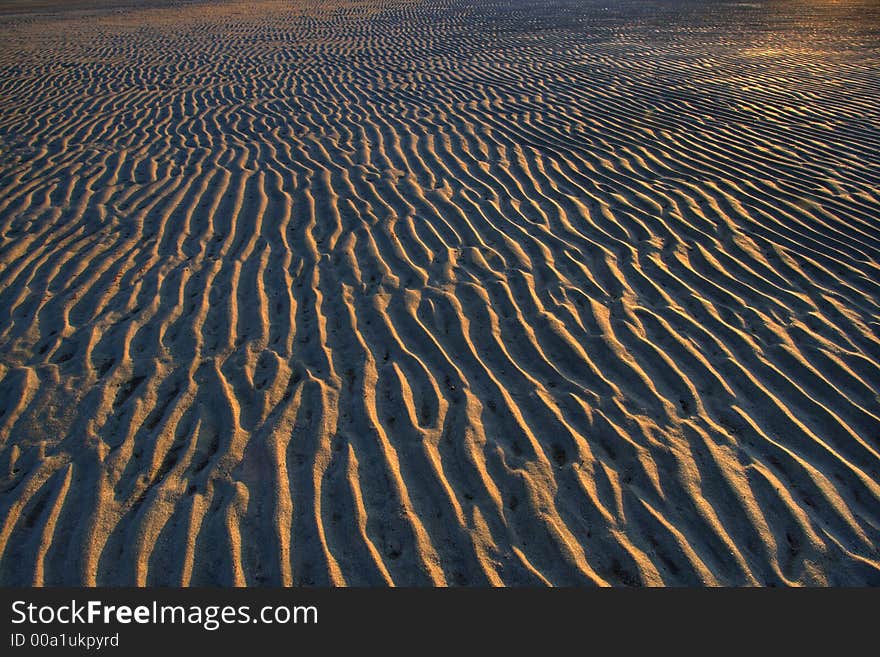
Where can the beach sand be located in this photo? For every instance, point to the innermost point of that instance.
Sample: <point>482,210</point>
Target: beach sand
<point>374,292</point>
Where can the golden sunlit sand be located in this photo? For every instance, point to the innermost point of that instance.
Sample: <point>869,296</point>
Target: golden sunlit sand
<point>374,292</point>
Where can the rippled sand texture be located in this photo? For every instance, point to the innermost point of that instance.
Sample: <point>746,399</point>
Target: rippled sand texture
<point>440,293</point>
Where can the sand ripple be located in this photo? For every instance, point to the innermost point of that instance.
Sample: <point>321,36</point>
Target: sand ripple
<point>440,293</point>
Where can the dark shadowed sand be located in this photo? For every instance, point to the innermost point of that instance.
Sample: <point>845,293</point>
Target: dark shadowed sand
<point>457,292</point>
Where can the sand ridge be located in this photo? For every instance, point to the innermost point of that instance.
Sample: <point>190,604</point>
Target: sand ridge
<point>423,293</point>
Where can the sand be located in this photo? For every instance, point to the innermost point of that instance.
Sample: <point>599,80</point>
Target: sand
<point>440,293</point>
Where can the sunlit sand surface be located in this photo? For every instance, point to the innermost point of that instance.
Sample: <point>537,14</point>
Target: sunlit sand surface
<point>436,293</point>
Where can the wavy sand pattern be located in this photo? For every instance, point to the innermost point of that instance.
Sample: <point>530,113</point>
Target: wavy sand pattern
<point>446,292</point>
